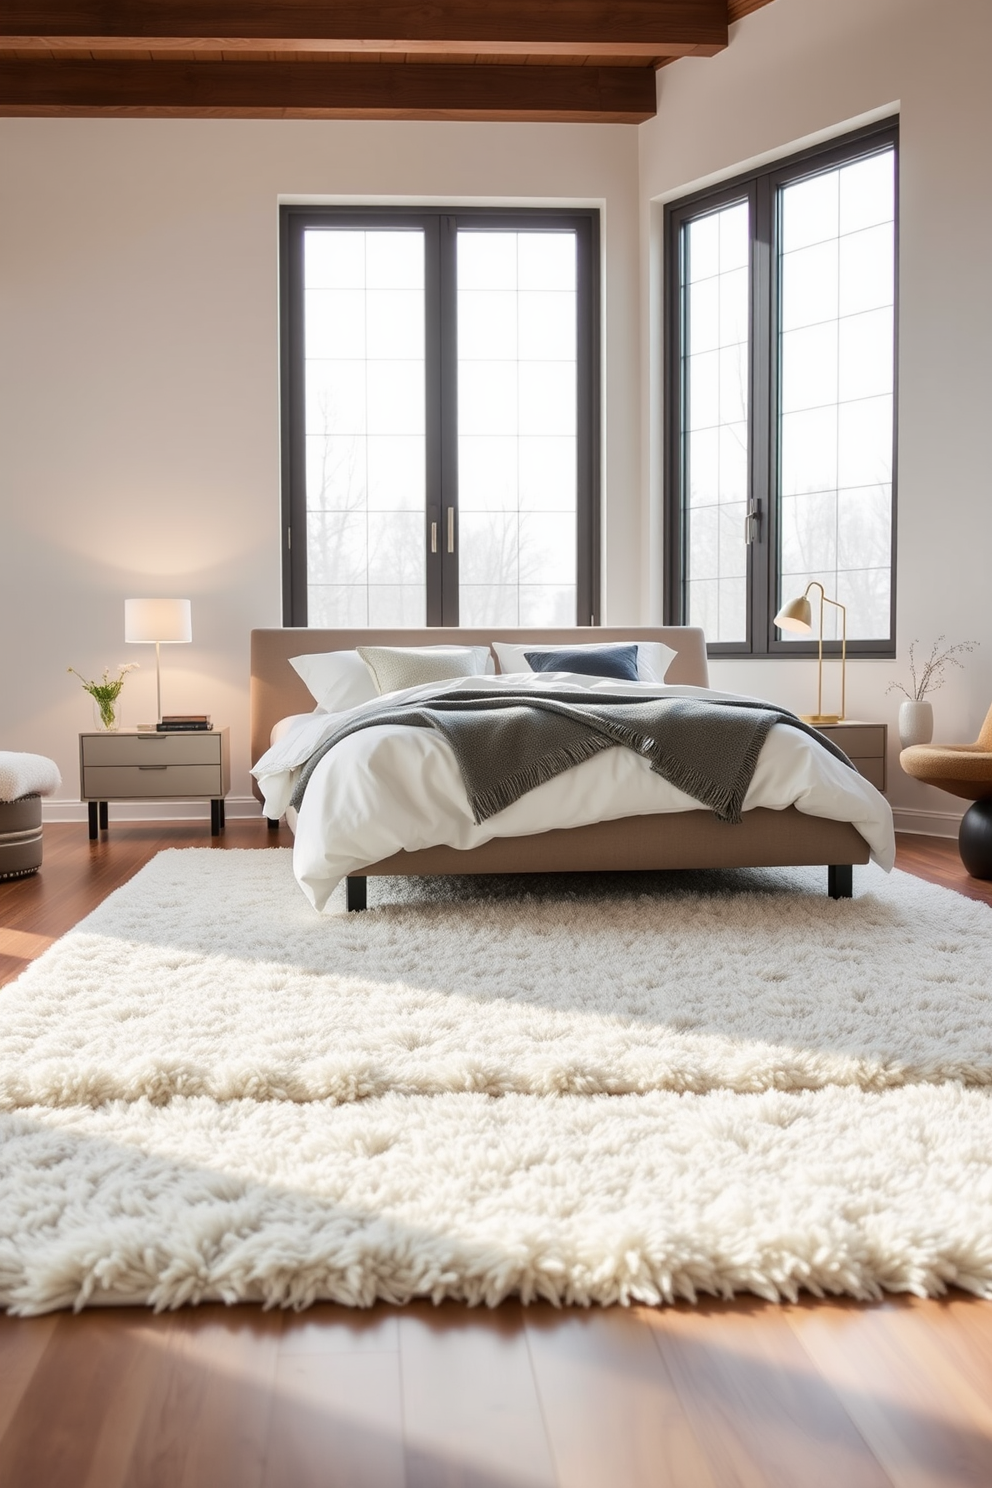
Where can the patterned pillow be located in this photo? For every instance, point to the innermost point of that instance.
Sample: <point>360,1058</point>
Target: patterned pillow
<point>589,661</point>
<point>393,667</point>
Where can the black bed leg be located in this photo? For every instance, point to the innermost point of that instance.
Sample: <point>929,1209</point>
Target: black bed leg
<point>357,893</point>
<point>840,880</point>
<point>272,822</point>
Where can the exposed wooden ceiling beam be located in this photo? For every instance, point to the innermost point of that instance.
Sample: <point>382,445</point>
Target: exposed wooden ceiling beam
<point>594,28</point>
<point>738,9</point>
<point>370,90</point>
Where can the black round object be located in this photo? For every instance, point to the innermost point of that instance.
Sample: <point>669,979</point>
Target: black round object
<point>975,839</point>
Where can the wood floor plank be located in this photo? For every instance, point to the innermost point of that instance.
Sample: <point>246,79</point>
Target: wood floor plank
<point>471,1416</point>
<point>337,1422</point>
<point>963,1323</point>
<point>611,1411</point>
<point>767,1416</point>
<point>23,1341</point>
<point>926,1413</point>
<point>76,1420</point>
<point>938,861</point>
<point>207,1419</point>
<point>329,1329</point>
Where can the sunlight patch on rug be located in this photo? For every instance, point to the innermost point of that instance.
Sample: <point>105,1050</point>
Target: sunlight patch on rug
<point>209,974</point>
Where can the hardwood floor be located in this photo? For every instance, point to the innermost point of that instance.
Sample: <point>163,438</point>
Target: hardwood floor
<point>723,1395</point>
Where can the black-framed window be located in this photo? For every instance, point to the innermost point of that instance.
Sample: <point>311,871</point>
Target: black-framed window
<point>780,398</point>
<point>440,411</point>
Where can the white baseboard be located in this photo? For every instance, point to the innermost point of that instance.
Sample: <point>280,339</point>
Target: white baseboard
<point>927,823</point>
<point>136,811</point>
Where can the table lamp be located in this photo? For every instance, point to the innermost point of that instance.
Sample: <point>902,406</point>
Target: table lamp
<point>164,621</point>
<point>797,616</point>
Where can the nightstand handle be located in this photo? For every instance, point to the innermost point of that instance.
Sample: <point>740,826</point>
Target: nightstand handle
<point>153,767</point>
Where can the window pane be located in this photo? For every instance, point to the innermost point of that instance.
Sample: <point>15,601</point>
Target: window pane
<point>395,473</point>
<point>809,535</point>
<point>809,289</point>
<point>835,349</point>
<point>809,367</point>
<point>335,397</point>
<point>716,299</point>
<point>810,212</point>
<point>336,472</point>
<point>517,401</point>
<point>365,447</point>
<point>866,270</point>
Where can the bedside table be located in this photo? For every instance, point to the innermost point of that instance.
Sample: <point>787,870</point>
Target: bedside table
<point>864,745</point>
<point>133,766</point>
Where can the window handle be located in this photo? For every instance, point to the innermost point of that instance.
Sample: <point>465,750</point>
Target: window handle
<point>451,529</point>
<point>751,521</point>
<point>433,537</point>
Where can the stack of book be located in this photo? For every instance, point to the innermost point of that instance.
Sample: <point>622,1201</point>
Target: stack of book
<point>184,723</point>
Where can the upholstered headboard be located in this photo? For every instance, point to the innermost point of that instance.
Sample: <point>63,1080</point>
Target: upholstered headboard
<point>276,690</point>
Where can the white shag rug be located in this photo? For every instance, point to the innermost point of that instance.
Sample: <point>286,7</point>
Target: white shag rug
<point>590,1090</point>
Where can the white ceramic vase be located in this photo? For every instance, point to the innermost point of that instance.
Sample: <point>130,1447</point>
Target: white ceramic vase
<point>915,723</point>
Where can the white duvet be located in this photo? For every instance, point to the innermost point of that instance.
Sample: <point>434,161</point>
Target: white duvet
<point>387,788</point>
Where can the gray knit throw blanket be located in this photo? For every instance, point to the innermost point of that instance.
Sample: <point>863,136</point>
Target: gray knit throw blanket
<point>511,742</point>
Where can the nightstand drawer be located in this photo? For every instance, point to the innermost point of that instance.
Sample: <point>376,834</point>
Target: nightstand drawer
<point>858,740</point>
<point>119,782</point>
<point>864,745</point>
<point>872,769</point>
<point>151,749</point>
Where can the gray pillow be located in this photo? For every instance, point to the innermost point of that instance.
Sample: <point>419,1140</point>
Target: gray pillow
<point>393,667</point>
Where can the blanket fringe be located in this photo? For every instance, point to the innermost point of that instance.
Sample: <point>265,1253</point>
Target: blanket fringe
<point>686,778</point>
<point>498,797</point>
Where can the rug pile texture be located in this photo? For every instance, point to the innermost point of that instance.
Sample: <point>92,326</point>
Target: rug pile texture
<point>588,1090</point>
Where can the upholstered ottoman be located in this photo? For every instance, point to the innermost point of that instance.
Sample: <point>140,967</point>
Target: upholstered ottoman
<point>24,779</point>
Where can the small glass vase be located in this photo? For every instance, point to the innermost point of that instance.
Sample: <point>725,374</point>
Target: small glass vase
<point>107,716</point>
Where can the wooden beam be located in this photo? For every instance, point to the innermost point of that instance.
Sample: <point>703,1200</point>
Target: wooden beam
<point>603,28</point>
<point>738,9</point>
<point>356,90</point>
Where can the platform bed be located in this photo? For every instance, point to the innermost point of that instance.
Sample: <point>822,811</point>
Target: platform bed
<point>688,839</point>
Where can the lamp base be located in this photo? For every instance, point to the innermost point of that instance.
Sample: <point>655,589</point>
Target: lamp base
<point>821,718</point>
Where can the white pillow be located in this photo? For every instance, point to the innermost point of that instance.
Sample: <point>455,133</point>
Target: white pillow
<point>653,657</point>
<point>280,729</point>
<point>336,679</point>
<point>395,667</point>
<point>340,679</point>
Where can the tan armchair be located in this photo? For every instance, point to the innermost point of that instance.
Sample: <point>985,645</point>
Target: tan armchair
<point>962,770</point>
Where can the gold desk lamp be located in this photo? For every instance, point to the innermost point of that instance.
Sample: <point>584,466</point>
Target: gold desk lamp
<point>797,615</point>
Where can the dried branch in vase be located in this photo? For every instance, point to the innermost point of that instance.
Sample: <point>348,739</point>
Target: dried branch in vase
<point>930,677</point>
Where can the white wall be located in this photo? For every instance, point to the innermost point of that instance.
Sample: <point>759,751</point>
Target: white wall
<point>139,415</point>
<point>793,70</point>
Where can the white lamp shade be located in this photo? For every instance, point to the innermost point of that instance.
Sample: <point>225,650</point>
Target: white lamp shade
<point>797,615</point>
<point>157,620</point>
